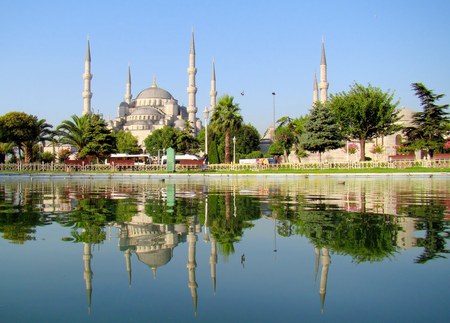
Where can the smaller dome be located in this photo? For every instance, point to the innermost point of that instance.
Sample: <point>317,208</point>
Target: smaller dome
<point>123,104</point>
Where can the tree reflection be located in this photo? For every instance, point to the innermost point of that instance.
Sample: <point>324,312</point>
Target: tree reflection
<point>228,215</point>
<point>429,217</point>
<point>364,236</point>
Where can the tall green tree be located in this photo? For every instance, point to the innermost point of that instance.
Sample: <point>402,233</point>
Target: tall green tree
<point>226,119</point>
<point>100,140</point>
<point>127,143</point>
<point>73,132</point>
<point>24,131</point>
<point>364,113</point>
<point>160,139</point>
<point>321,131</point>
<point>186,142</point>
<point>430,126</point>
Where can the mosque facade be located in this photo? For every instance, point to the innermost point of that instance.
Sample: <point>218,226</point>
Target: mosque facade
<point>154,107</point>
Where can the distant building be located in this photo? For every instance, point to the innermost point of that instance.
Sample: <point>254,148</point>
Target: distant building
<point>154,107</point>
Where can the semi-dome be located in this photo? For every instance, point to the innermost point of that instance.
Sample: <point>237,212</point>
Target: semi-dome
<point>146,110</point>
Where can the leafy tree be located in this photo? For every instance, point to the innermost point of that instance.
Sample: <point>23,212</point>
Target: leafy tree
<point>288,136</point>
<point>24,131</point>
<point>247,140</point>
<point>73,132</point>
<point>431,126</point>
<point>321,131</point>
<point>186,142</point>
<point>226,119</point>
<point>159,139</point>
<point>100,141</point>
<point>127,143</point>
<point>365,113</point>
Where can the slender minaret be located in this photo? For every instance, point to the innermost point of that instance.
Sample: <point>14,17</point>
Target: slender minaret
<point>87,76</point>
<point>128,95</point>
<point>192,90</point>
<point>323,76</point>
<point>315,90</point>
<point>213,92</point>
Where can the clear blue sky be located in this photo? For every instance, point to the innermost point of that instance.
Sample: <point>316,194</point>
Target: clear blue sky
<point>258,46</point>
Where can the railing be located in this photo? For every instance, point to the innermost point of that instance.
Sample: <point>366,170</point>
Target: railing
<point>56,167</point>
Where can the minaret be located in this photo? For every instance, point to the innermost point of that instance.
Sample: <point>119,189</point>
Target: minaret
<point>213,92</point>
<point>192,90</point>
<point>323,76</point>
<point>128,95</point>
<point>315,90</point>
<point>87,76</point>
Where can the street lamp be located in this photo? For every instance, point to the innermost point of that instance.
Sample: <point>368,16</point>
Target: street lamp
<point>273,95</point>
<point>206,114</point>
<point>234,150</point>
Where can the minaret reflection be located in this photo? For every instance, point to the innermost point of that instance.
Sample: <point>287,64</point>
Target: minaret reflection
<point>192,264</point>
<point>326,260</point>
<point>213,262</point>
<point>88,274</point>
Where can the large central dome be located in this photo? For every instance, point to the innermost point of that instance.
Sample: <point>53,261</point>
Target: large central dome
<point>154,92</point>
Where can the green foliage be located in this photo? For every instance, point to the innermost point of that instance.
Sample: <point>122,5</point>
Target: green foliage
<point>288,136</point>
<point>73,132</point>
<point>254,154</point>
<point>24,131</point>
<point>213,156</point>
<point>168,137</point>
<point>430,126</point>
<point>226,119</point>
<point>365,113</point>
<point>160,139</point>
<point>5,149</point>
<point>47,157</point>
<point>100,141</point>
<point>321,131</point>
<point>127,143</point>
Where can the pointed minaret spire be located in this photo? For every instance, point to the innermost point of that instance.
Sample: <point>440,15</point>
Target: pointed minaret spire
<point>87,76</point>
<point>192,89</point>
<point>315,90</point>
<point>213,92</point>
<point>323,75</point>
<point>128,95</point>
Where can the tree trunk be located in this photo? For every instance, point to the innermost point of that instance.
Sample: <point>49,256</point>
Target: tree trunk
<point>362,144</point>
<point>227,147</point>
<point>320,157</point>
<point>227,204</point>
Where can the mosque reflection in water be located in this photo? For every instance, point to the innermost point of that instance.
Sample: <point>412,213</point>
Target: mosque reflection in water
<point>367,220</point>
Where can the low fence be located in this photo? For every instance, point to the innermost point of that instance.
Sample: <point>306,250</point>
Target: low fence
<point>56,167</point>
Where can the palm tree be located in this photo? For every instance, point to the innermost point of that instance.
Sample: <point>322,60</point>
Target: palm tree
<point>73,132</point>
<point>5,149</point>
<point>42,133</point>
<point>226,118</point>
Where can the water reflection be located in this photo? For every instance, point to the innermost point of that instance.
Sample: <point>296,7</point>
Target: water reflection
<point>369,220</point>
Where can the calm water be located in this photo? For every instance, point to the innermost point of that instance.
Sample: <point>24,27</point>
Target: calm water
<point>317,249</point>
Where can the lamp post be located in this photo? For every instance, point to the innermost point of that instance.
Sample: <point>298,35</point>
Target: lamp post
<point>206,114</point>
<point>234,150</point>
<point>273,95</point>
